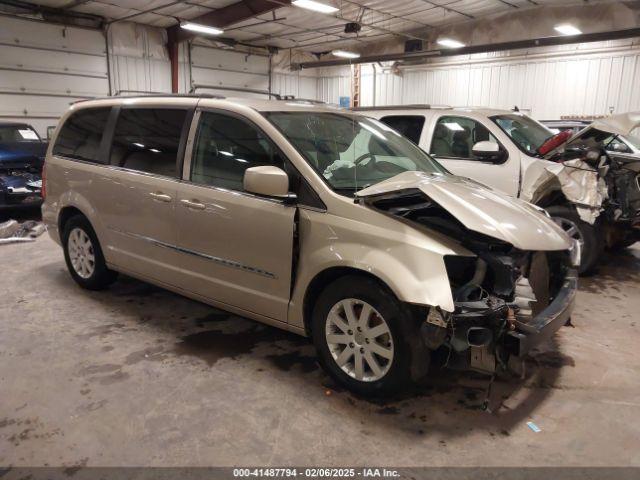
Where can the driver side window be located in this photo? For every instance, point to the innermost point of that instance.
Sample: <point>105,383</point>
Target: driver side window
<point>454,137</point>
<point>225,146</point>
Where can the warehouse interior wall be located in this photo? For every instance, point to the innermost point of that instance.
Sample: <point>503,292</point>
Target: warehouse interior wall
<point>138,59</point>
<point>45,67</point>
<point>571,80</point>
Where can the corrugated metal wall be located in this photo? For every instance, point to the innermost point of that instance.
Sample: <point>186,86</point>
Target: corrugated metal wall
<point>44,67</point>
<point>139,59</point>
<point>333,83</point>
<point>296,84</point>
<point>583,80</point>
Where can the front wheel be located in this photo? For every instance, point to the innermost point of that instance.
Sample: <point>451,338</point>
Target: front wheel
<point>589,236</point>
<point>361,332</point>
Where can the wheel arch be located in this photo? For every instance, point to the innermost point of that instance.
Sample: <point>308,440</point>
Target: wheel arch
<point>325,278</point>
<point>551,198</point>
<point>66,213</point>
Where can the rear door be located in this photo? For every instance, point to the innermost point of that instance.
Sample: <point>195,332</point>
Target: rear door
<point>139,213</point>
<point>451,139</point>
<point>237,248</point>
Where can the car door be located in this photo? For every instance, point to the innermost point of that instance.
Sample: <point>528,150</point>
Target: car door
<point>451,139</point>
<point>237,248</point>
<point>139,210</point>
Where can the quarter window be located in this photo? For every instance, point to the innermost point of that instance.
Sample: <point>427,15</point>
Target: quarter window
<point>408,125</point>
<point>225,147</point>
<point>148,140</point>
<point>81,134</point>
<point>454,137</point>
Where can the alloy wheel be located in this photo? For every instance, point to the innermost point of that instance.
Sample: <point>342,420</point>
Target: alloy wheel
<point>570,229</point>
<point>81,253</point>
<point>359,340</point>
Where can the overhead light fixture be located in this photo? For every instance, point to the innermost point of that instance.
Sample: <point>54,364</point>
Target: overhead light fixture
<point>345,54</point>
<point>450,43</point>
<point>567,29</point>
<point>315,6</point>
<point>196,27</point>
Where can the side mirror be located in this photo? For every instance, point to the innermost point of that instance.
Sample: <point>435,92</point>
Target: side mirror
<point>50,130</point>
<point>489,152</point>
<point>266,180</point>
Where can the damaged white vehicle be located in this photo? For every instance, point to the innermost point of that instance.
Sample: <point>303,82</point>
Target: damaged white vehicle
<point>592,194</point>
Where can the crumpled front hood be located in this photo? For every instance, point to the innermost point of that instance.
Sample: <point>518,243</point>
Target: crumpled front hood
<point>622,124</point>
<point>481,209</point>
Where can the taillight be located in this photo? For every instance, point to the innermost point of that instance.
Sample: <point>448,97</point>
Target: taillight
<point>43,190</point>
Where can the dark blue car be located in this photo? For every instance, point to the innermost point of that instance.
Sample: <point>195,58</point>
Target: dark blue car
<point>21,158</point>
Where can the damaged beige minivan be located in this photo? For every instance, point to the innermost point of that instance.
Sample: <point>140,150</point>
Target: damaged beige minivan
<point>312,219</point>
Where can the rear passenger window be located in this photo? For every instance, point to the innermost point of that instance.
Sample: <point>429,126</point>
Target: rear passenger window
<point>147,140</point>
<point>225,147</point>
<point>454,137</point>
<point>408,125</point>
<point>81,134</point>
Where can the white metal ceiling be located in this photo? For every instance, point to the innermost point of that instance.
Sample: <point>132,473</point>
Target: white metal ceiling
<point>292,27</point>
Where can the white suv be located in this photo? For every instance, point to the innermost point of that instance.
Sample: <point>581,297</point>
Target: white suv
<point>511,152</point>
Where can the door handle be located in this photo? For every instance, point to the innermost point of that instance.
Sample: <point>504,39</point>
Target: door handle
<point>193,204</point>
<point>162,197</point>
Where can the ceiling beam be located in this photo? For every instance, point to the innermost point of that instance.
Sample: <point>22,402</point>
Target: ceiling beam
<point>229,15</point>
<point>469,50</point>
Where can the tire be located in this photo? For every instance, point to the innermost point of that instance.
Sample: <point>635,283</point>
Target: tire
<point>590,236</point>
<point>394,368</point>
<point>83,255</point>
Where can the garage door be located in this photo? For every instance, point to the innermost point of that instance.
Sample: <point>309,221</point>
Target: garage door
<point>44,67</point>
<point>217,67</point>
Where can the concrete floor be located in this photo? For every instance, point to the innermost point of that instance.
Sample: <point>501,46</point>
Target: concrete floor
<point>140,376</point>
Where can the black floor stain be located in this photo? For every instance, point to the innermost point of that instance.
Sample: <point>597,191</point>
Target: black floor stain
<point>214,345</point>
<point>552,359</point>
<point>212,317</point>
<point>295,359</point>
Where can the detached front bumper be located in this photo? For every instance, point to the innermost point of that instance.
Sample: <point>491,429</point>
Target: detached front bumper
<point>542,327</point>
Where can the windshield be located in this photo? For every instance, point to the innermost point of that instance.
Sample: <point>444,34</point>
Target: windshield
<point>634,140</point>
<point>525,132</point>
<point>18,134</point>
<point>351,152</point>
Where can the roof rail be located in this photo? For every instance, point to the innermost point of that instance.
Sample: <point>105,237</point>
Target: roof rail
<point>196,86</point>
<point>415,106</point>
<point>143,94</point>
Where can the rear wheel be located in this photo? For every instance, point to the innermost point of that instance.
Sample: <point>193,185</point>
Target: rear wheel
<point>83,255</point>
<point>589,236</point>
<point>361,332</point>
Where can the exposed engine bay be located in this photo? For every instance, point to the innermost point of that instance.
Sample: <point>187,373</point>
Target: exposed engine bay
<point>500,295</point>
<point>20,187</point>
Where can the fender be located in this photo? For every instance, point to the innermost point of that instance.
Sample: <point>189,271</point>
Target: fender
<point>409,262</point>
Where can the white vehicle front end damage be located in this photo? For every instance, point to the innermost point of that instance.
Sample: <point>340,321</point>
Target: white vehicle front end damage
<point>576,179</point>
